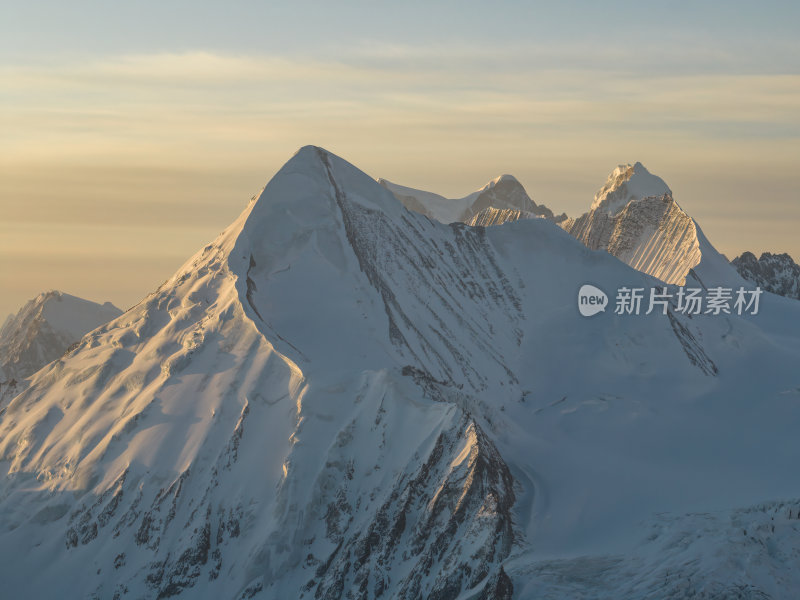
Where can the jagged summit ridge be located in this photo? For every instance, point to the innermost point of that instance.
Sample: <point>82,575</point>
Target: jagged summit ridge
<point>776,273</point>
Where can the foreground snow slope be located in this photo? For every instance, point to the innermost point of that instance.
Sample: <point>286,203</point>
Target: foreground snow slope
<point>341,398</point>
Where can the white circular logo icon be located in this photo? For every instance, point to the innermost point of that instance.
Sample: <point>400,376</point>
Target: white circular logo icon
<point>591,300</point>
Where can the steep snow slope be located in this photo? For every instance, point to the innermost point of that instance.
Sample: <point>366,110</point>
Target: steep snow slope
<point>635,218</point>
<point>342,398</point>
<point>776,273</point>
<point>42,331</point>
<point>502,193</point>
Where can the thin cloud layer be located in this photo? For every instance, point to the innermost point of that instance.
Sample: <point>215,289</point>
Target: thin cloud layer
<point>88,141</point>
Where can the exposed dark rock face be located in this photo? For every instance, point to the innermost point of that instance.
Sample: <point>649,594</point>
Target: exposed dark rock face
<point>652,235</point>
<point>776,273</point>
<point>460,497</point>
<point>693,349</point>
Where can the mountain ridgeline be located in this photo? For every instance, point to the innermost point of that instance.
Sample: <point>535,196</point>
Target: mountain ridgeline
<point>339,397</point>
<point>633,217</point>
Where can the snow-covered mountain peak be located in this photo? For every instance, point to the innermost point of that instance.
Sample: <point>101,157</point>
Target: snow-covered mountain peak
<point>341,398</point>
<point>265,410</point>
<point>64,313</point>
<point>625,183</point>
<point>300,211</point>
<point>44,328</point>
<point>72,315</point>
<point>308,183</point>
<point>504,178</point>
<point>635,217</point>
<point>503,193</point>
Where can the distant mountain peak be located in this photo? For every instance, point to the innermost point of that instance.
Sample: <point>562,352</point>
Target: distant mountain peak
<point>503,193</point>
<point>44,328</point>
<point>504,178</point>
<point>635,218</point>
<point>776,273</point>
<point>625,183</point>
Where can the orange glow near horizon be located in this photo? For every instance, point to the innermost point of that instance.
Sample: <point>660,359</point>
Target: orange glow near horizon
<point>114,171</point>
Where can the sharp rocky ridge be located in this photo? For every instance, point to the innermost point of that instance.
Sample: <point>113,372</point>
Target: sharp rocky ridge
<point>776,273</point>
<point>341,398</point>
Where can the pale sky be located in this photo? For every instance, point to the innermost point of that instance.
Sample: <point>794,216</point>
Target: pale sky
<point>132,133</point>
